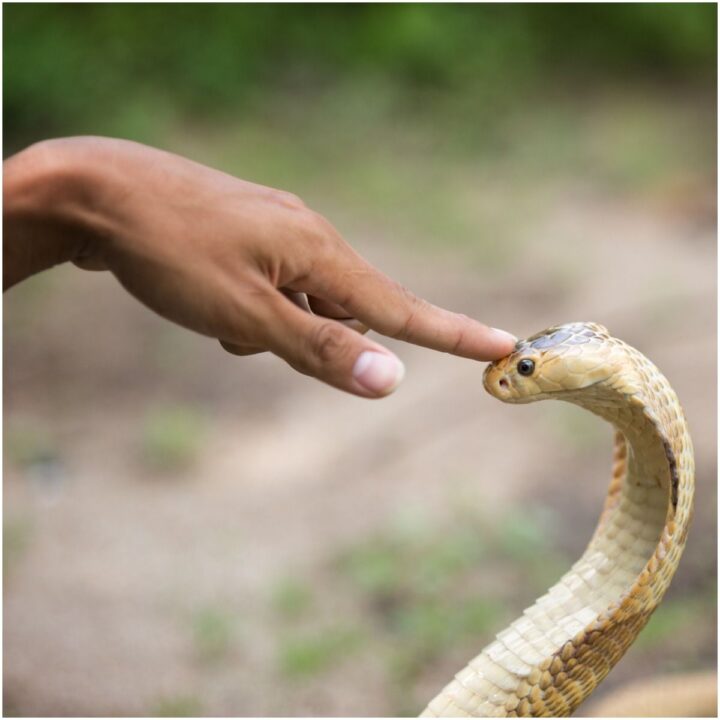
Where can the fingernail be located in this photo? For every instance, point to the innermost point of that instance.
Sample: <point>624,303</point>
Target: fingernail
<point>504,335</point>
<point>377,372</point>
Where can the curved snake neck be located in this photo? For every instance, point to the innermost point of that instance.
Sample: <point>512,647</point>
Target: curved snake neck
<point>555,654</point>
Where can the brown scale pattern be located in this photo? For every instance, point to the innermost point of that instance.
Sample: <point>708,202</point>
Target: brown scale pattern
<point>550,659</point>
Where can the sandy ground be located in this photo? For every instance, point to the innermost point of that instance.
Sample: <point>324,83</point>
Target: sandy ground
<point>110,558</point>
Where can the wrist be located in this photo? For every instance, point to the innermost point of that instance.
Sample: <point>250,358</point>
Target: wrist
<point>50,211</point>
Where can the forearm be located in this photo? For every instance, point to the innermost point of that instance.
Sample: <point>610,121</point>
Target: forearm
<point>47,210</point>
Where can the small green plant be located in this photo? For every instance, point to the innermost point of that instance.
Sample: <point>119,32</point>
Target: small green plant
<point>479,616</point>
<point>213,631</point>
<point>376,566</point>
<point>16,538</point>
<point>26,446</point>
<point>418,586</point>
<point>312,654</point>
<point>291,599</point>
<point>171,438</point>
<point>453,553</point>
<point>522,540</point>
<point>520,537</point>
<point>670,618</point>
<point>178,706</point>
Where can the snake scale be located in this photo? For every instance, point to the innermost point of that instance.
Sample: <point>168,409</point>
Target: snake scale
<point>553,656</point>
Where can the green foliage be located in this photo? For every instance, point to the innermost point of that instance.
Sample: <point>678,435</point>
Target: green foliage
<point>172,438</point>
<point>17,533</point>
<point>126,69</point>
<point>375,567</point>
<point>417,594</point>
<point>25,445</point>
<point>213,631</point>
<point>430,627</point>
<point>676,616</point>
<point>291,599</point>
<point>394,564</point>
<point>422,587</point>
<point>178,706</point>
<point>311,654</point>
<point>521,538</point>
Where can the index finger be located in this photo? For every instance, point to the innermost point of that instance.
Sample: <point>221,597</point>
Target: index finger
<point>387,307</point>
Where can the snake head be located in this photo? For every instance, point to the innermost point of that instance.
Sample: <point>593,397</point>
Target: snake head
<point>553,363</point>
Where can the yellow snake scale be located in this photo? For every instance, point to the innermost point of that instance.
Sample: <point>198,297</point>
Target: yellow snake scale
<point>553,656</point>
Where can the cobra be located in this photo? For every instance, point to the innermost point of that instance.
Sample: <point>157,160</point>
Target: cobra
<point>555,654</point>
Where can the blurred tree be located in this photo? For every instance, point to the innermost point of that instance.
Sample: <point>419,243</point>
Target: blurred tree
<point>107,68</point>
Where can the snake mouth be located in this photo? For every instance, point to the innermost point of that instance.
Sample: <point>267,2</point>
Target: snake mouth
<point>499,385</point>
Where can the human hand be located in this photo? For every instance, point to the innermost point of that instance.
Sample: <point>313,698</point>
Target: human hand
<point>224,257</point>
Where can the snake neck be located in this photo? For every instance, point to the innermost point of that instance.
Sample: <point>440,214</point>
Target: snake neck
<point>645,439</point>
<point>651,426</point>
<point>644,524</point>
<point>552,657</point>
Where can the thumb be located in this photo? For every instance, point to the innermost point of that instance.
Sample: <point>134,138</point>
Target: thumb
<point>330,351</point>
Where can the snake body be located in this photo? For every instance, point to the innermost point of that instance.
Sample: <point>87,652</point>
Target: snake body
<point>555,654</point>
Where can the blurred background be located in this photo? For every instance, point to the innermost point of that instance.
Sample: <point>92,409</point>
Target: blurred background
<point>192,533</point>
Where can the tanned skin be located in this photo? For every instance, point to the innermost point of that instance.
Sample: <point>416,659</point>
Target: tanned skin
<point>223,257</point>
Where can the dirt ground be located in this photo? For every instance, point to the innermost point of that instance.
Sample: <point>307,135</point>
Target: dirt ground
<point>176,518</point>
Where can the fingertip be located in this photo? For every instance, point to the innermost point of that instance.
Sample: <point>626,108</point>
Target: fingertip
<point>378,373</point>
<point>481,342</point>
<point>504,342</point>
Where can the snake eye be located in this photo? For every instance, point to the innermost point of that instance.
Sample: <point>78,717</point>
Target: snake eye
<point>526,366</point>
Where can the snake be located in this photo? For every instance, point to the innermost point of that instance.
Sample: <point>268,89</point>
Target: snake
<point>549,660</point>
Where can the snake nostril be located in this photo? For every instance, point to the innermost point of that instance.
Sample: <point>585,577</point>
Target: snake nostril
<point>503,383</point>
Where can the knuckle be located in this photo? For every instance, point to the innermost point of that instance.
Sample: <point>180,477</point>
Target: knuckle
<point>320,235</point>
<point>462,324</point>
<point>328,341</point>
<point>289,200</point>
<point>458,341</point>
<point>322,224</point>
<point>413,307</point>
<point>405,297</point>
<point>311,222</point>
